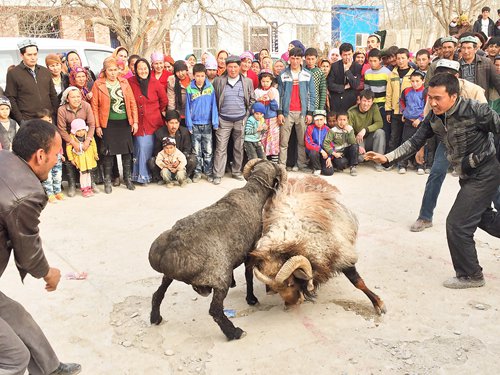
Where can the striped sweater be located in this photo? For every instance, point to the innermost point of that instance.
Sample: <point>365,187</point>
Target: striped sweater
<point>377,80</point>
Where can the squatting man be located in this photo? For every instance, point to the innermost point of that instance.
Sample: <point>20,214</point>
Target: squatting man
<point>464,126</point>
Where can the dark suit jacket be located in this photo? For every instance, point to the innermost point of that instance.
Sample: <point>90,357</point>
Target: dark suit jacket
<point>340,98</point>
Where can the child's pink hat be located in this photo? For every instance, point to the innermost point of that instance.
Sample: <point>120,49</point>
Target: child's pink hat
<point>78,124</point>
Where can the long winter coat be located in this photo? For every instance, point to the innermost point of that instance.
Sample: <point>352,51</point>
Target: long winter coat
<point>149,108</point>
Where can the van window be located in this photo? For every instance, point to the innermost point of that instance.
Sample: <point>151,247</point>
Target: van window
<point>95,58</point>
<point>7,58</point>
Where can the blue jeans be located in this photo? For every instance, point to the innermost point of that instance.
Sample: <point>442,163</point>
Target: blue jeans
<point>52,184</point>
<point>434,183</point>
<point>201,141</point>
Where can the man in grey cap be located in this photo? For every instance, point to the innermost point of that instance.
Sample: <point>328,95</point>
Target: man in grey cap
<point>235,96</point>
<point>475,68</point>
<point>448,48</point>
<point>29,85</point>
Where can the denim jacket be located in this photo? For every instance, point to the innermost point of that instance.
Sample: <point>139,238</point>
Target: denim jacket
<point>306,90</point>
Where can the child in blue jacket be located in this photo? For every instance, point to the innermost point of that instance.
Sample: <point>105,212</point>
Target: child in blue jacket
<point>201,117</point>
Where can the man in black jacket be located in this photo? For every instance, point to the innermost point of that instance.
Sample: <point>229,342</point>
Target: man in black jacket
<point>22,198</point>
<point>464,126</point>
<point>485,23</point>
<point>343,80</point>
<point>182,137</point>
<point>29,86</point>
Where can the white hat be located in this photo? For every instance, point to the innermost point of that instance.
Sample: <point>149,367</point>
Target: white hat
<point>26,43</point>
<point>450,64</point>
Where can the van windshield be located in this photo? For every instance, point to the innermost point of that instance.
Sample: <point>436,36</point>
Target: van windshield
<point>95,58</point>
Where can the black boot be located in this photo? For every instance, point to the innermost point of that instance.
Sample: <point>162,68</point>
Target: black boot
<point>108,168</point>
<point>116,172</point>
<point>127,171</point>
<point>71,173</point>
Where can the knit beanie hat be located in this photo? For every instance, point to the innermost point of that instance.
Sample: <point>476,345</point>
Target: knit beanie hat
<point>78,124</point>
<point>258,107</point>
<point>180,65</point>
<point>52,58</point>
<point>5,101</point>
<point>156,56</point>
<point>166,141</point>
<point>211,62</point>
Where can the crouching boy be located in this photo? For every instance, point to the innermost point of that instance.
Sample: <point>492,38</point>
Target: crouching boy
<point>172,163</point>
<point>340,143</point>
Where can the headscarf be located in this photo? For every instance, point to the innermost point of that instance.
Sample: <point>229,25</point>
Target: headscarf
<point>72,80</point>
<point>221,70</point>
<point>298,44</point>
<point>64,96</point>
<point>143,82</point>
<point>179,65</point>
<point>169,59</point>
<point>124,68</point>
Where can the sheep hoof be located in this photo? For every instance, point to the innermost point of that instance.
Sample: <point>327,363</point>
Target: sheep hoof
<point>380,309</point>
<point>237,334</point>
<point>252,300</point>
<point>155,319</point>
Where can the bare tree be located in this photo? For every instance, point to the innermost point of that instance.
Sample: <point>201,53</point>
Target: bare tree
<point>445,10</point>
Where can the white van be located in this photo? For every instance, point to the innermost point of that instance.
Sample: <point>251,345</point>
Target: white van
<point>91,54</point>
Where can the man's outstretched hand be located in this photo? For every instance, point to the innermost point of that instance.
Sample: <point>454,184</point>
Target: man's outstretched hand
<point>378,158</point>
<point>52,279</point>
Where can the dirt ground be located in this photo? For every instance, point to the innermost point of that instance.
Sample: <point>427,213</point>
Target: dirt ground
<point>103,322</point>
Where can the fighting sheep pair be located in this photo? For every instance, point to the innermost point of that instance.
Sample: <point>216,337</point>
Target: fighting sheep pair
<point>269,225</point>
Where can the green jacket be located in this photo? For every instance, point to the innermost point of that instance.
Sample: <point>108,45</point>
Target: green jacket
<point>338,139</point>
<point>371,120</point>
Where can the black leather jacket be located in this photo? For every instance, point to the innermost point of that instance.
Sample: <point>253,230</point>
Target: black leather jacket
<point>22,199</point>
<point>465,131</point>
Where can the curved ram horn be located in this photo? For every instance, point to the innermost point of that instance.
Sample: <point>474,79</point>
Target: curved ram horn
<point>283,175</point>
<point>265,279</point>
<point>249,166</point>
<point>297,261</point>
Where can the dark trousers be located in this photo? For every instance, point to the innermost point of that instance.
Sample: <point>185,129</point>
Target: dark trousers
<point>472,209</point>
<point>386,127</point>
<point>318,163</point>
<point>254,150</point>
<point>408,132</point>
<point>396,132</point>
<point>22,342</point>
<point>348,159</point>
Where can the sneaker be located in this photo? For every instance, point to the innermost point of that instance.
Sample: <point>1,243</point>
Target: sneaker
<point>196,178</point>
<point>402,170</point>
<point>420,225</point>
<point>463,283</point>
<point>380,168</point>
<point>389,168</point>
<point>60,196</point>
<point>420,171</point>
<point>210,178</point>
<point>238,176</point>
<point>317,172</point>
<point>295,168</point>
<point>354,172</point>
<point>288,169</point>
<point>216,181</point>
<point>87,192</point>
<point>427,171</point>
<point>161,182</point>
<point>67,369</point>
<point>52,199</point>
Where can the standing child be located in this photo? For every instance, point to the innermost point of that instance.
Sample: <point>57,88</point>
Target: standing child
<point>412,104</point>
<point>52,185</point>
<point>314,139</point>
<point>8,127</point>
<point>269,97</point>
<point>84,161</point>
<point>340,143</point>
<point>253,131</point>
<point>172,163</point>
<point>201,117</point>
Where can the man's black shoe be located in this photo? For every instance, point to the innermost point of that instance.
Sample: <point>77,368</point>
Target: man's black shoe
<point>67,369</point>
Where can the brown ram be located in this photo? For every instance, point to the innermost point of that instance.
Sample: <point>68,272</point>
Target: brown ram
<point>308,237</point>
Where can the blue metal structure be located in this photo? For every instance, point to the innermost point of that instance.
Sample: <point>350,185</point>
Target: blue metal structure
<point>349,20</point>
